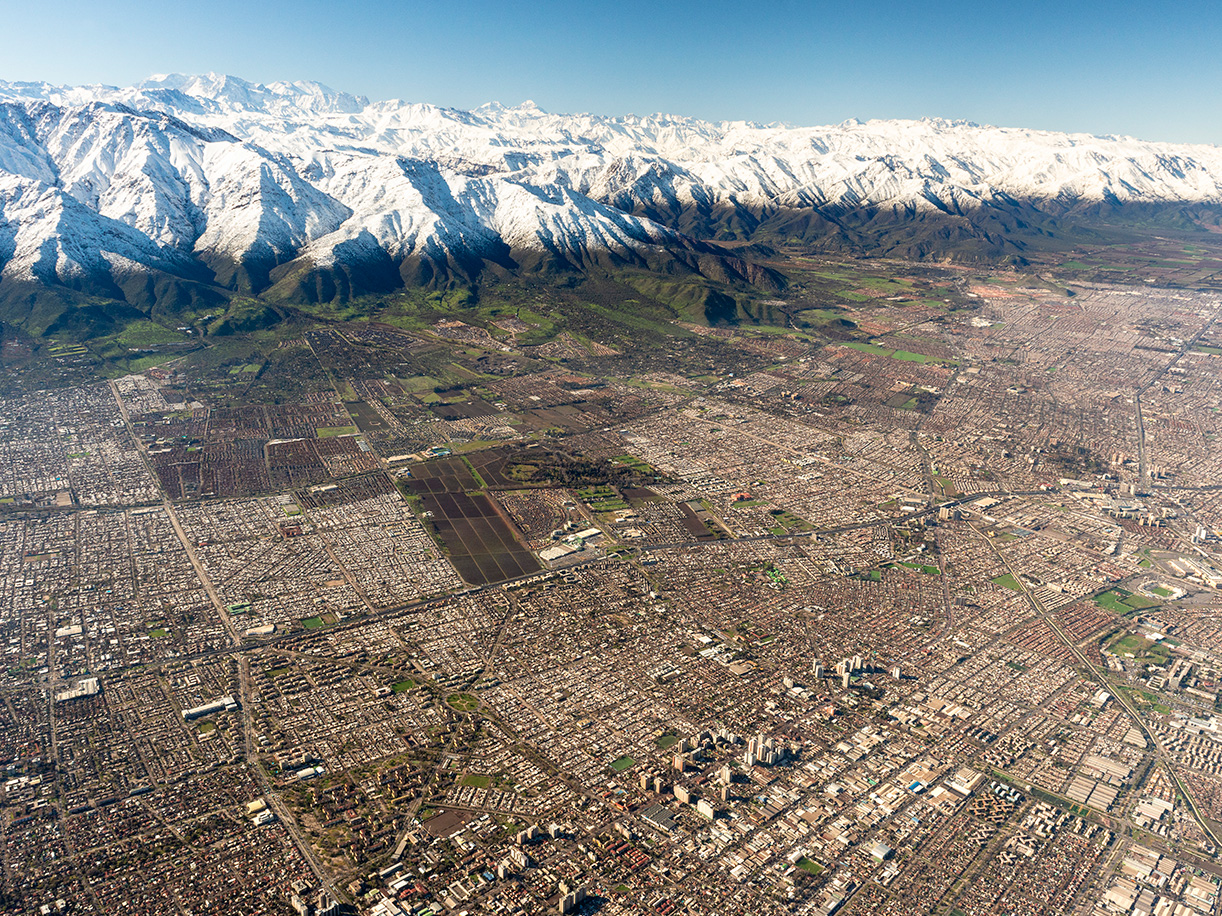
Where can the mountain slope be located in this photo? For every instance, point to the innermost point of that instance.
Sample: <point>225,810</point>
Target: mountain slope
<point>197,185</point>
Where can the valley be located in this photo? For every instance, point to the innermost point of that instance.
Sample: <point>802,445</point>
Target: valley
<point>408,511</point>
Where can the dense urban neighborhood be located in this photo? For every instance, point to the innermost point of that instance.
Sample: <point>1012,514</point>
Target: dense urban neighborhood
<point>914,613</point>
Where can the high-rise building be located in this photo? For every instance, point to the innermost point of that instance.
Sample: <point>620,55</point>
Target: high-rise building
<point>569,901</point>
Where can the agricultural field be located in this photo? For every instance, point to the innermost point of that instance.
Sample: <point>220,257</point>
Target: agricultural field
<point>478,538</point>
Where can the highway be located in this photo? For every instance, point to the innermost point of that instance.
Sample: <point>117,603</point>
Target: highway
<point>1118,695</point>
<point>1143,469</point>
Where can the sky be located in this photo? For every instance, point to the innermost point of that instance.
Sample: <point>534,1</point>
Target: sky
<point>1149,70</point>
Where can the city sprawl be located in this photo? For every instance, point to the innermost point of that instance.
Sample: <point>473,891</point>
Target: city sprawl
<point>918,619</point>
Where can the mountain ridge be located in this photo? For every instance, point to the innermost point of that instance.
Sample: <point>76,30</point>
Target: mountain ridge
<point>293,189</point>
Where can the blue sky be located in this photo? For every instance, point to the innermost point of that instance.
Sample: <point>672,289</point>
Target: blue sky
<point>1146,69</point>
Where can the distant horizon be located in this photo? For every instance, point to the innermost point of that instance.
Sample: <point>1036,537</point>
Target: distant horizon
<point>531,103</point>
<point>1121,68</point>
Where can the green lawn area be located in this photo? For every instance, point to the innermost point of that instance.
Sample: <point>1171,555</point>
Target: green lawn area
<point>810,866</point>
<point>327,432</point>
<point>476,779</point>
<point>1145,698</point>
<point>1114,601</point>
<point>869,348</point>
<point>633,462</point>
<point>947,485</point>
<point>159,633</point>
<point>313,623</point>
<point>595,492</point>
<point>1008,581</point>
<point>1142,649</point>
<point>1138,603</point>
<point>927,570</point>
<point>790,521</point>
<point>904,355</point>
<point>1161,592</point>
<point>463,702</point>
<point>607,505</point>
<point>403,686</point>
<point>1133,643</point>
<point>144,333</point>
<point>666,741</point>
<point>910,357</point>
<point>890,284</point>
<point>622,764</point>
<point>205,727</point>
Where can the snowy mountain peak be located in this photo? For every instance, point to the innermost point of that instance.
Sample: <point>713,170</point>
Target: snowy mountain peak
<point>253,185</point>
<point>235,94</point>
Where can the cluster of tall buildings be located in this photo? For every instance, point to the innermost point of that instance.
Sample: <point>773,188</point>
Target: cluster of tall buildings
<point>846,668</point>
<point>570,899</point>
<point>764,751</point>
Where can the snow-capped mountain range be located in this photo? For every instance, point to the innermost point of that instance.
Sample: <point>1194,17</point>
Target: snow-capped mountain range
<point>218,181</point>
